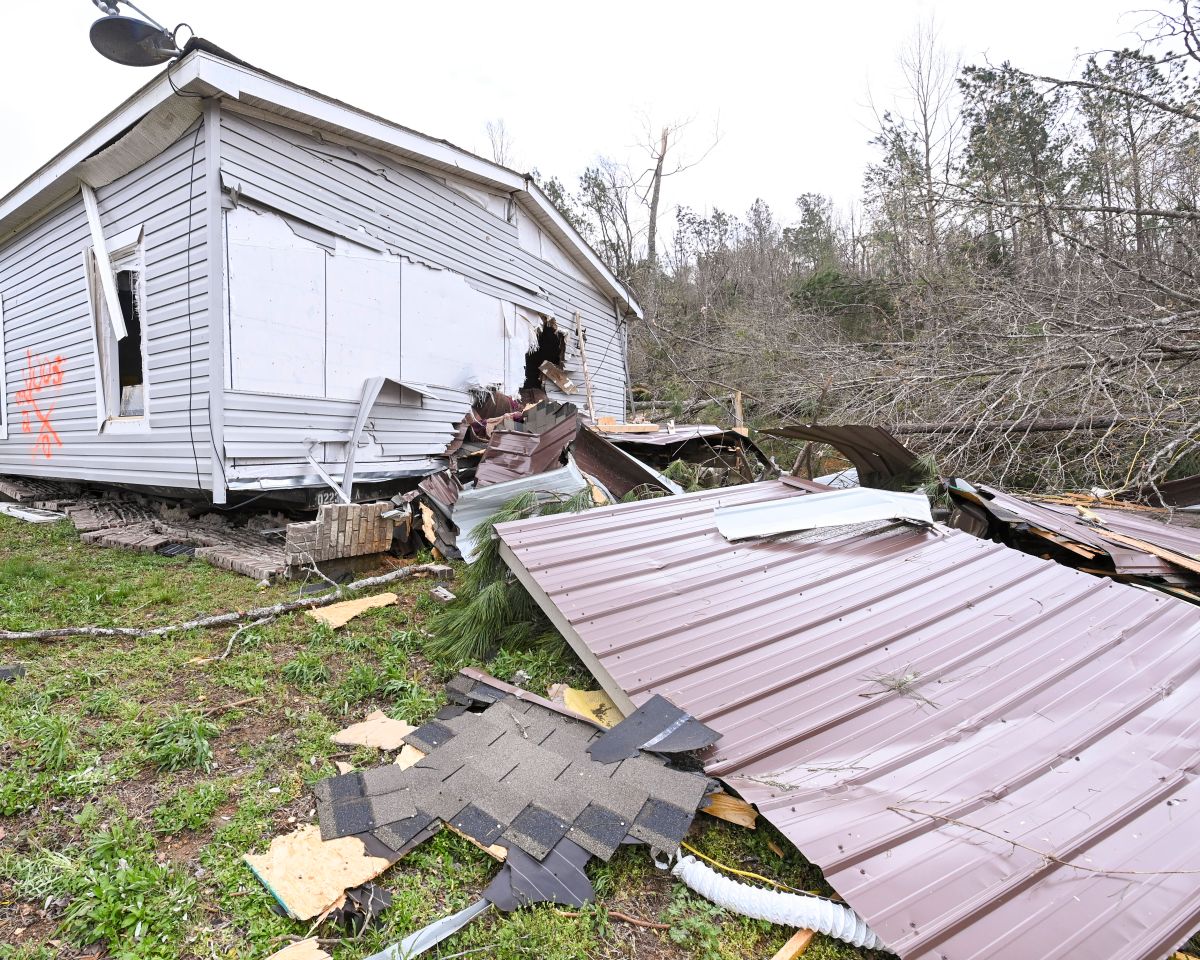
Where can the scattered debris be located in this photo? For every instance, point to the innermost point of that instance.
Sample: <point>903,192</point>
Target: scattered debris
<point>718,455</point>
<point>610,425</point>
<point>377,730</point>
<point>595,705</point>
<point>408,756</point>
<point>309,876</point>
<point>360,907</point>
<point>558,878</point>
<point>309,949</point>
<point>12,672</point>
<point>1140,545</point>
<point>30,514</point>
<point>456,524</point>
<point>339,614</point>
<point>657,725</point>
<point>430,936</point>
<point>727,807</point>
<point>532,445</point>
<point>442,594</point>
<point>555,374</point>
<point>237,616</point>
<point>620,472</point>
<point>880,460</point>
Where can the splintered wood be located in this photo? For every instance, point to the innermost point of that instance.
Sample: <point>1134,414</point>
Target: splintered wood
<point>340,614</point>
<point>725,806</point>
<point>796,946</point>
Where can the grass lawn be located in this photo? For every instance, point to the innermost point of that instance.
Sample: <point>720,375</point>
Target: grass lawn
<point>133,779</point>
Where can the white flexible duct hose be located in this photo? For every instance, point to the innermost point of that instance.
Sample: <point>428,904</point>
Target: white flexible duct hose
<point>786,909</point>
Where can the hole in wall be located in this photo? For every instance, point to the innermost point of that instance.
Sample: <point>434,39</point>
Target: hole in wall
<point>552,346</point>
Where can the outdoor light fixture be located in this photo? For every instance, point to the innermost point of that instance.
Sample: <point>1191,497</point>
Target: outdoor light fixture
<point>130,41</point>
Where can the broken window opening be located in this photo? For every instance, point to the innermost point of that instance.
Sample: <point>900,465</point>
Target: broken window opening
<point>121,380</point>
<point>552,346</point>
<point>130,373</point>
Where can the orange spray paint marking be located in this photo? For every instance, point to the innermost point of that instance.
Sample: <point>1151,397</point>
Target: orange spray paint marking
<point>40,374</point>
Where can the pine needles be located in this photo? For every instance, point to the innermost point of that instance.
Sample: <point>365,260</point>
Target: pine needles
<point>493,610</point>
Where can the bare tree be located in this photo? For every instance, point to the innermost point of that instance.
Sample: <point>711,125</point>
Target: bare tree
<point>501,142</point>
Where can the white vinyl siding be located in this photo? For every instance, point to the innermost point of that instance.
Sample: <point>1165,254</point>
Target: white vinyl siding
<point>49,321</point>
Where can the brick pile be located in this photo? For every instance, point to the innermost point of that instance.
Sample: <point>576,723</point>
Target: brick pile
<point>340,530</point>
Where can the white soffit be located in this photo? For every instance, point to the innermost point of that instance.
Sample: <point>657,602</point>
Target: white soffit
<point>837,508</point>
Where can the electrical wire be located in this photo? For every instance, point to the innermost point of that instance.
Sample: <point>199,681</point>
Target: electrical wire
<point>746,873</point>
<point>188,282</point>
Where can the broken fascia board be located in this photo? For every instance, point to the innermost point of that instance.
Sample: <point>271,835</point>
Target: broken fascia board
<point>108,283</point>
<point>834,509</point>
<point>149,137</point>
<point>474,506</point>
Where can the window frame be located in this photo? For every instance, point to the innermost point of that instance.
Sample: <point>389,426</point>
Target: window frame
<point>126,251</point>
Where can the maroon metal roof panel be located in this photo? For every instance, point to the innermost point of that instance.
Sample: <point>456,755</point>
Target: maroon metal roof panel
<point>990,755</point>
<point>1151,527</point>
<point>878,457</point>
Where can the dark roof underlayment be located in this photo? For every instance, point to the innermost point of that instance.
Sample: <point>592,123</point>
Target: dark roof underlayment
<point>990,755</point>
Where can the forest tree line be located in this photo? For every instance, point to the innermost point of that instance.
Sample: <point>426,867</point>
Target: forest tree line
<point>1015,294</point>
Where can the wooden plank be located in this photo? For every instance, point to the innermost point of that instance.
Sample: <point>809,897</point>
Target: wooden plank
<point>725,806</point>
<point>626,427</point>
<point>1179,559</point>
<point>739,415</point>
<point>796,946</point>
<point>587,377</point>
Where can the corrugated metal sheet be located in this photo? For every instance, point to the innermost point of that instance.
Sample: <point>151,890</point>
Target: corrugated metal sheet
<point>1066,524</point>
<point>1184,492</point>
<point>990,755</point>
<point>878,456</point>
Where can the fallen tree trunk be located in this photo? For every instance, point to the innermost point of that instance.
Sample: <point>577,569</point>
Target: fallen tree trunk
<point>234,617</point>
<point>1040,425</point>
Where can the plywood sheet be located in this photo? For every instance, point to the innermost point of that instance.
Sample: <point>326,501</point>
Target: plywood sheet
<point>308,875</point>
<point>378,730</point>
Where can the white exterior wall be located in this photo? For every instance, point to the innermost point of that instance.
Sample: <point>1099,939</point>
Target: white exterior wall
<point>49,383</point>
<point>342,265</point>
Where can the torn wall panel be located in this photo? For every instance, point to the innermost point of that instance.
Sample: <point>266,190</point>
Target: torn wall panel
<point>451,333</point>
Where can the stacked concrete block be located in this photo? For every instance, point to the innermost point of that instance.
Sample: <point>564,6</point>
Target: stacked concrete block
<point>340,530</point>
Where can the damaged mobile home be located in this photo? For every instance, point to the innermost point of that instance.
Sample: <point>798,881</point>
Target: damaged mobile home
<point>233,285</point>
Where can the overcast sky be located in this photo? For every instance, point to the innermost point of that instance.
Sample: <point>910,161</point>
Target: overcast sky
<point>787,85</point>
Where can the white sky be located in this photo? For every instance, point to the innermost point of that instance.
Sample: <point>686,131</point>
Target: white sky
<point>788,82</point>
